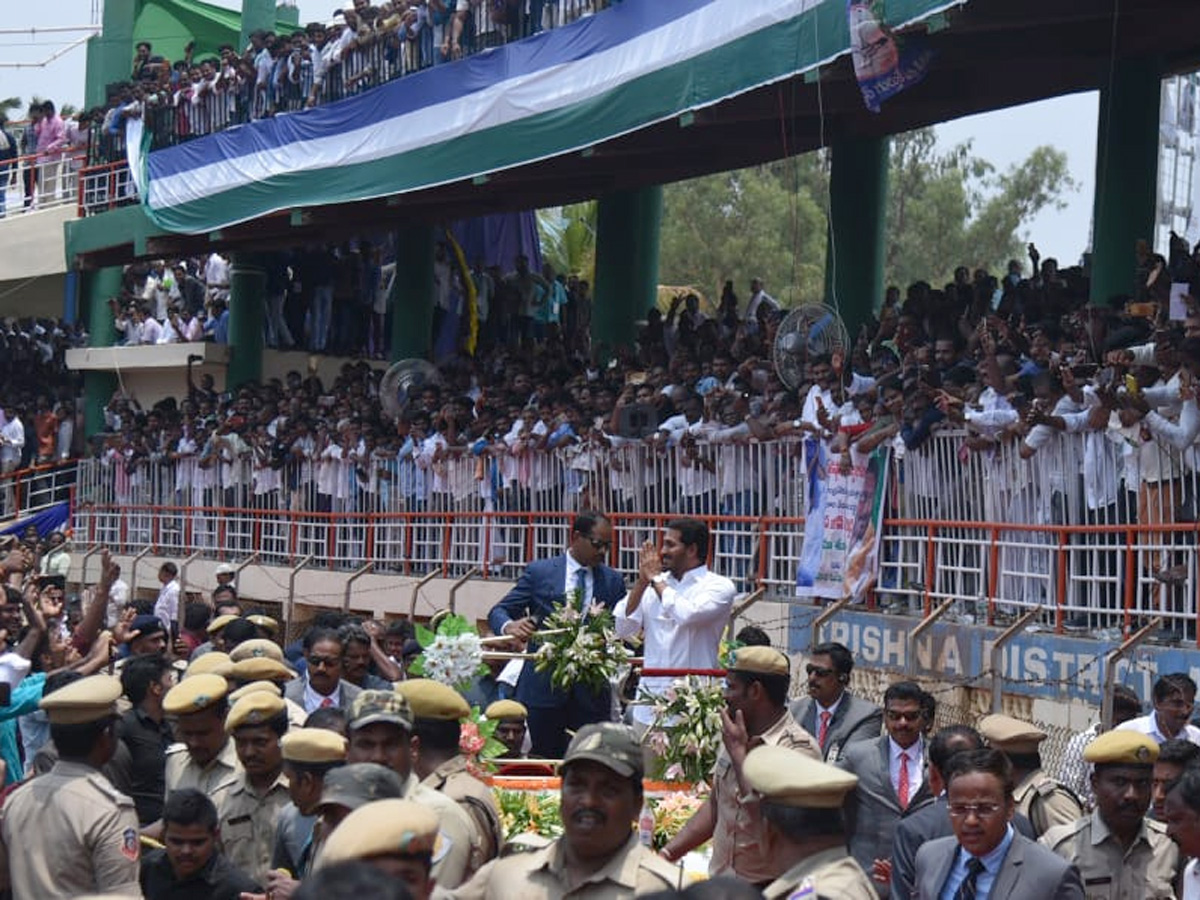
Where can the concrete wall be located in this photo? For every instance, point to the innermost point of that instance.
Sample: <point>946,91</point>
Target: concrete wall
<point>39,296</point>
<point>31,244</point>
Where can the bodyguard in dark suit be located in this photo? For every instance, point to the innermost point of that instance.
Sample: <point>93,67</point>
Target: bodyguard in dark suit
<point>831,713</point>
<point>986,859</point>
<point>322,684</point>
<point>543,584</point>
<point>891,777</point>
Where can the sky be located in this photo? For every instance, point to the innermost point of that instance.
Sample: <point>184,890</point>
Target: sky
<point>1004,138</point>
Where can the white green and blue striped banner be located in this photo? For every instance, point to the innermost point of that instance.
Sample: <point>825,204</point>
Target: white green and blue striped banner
<point>637,63</point>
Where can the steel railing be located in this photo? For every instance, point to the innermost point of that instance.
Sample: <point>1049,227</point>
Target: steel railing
<point>1002,533</point>
<point>32,183</point>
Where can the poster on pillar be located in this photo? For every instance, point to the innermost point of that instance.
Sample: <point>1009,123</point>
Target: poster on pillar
<point>884,63</point>
<point>843,522</point>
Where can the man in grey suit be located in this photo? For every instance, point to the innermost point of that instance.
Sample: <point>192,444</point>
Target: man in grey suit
<point>986,859</point>
<point>924,822</point>
<point>322,686</point>
<point>830,712</point>
<point>891,777</point>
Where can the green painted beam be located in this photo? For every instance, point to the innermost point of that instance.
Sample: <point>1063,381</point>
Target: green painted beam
<point>627,227</point>
<point>858,186</point>
<point>412,292</point>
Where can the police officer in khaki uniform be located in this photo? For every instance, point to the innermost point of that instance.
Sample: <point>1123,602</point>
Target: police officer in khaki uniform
<point>1041,799</point>
<point>70,832</point>
<point>1118,851</point>
<point>248,806</point>
<point>259,671</point>
<point>398,837</point>
<point>598,855</point>
<point>205,758</point>
<point>379,729</point>
<point>756,697</point>
<point>803,832</point>
<point>438,712</point>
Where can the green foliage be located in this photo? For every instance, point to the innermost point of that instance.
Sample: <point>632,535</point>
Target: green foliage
<point>767,221</point>
<point>7,105</point>
<point>568,238</point>
<point>951,208</point>
<point>946,207</point>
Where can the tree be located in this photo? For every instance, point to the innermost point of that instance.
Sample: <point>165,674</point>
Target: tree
<point>7,106</point>
<point>951,208</point>
<point>568,238</point>
<point>759,222</point>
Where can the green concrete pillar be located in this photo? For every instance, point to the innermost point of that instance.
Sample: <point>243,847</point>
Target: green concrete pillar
<point>98,287</point>
<point>412,292</point>
<point>110,53</point>
<point>247,296</point>
<point>289,14</point>
<point>1126,175</point>
<point>858,188</point>
<point>256,15</point>
<point>627,226</point>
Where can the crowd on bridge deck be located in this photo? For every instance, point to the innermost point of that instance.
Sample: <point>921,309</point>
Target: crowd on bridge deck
<point>223,760</point>
<point>278,72</point>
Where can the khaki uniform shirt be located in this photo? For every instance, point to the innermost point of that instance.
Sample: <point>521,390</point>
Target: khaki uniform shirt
<point>454,780</point>
<point>736,849</point>
<point>542,875</point>
<point>1110,872</point>
<point>459,841</point>
<point>70,832</point>
<point>248,822</point>
<point>832,874</point>
<point>182,772</point>
<point>1045,802</point>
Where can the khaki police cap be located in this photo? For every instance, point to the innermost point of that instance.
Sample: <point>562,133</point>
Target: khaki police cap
<point>1010,735</point>
<point>220,622</point>
<point>383,828</point>
<point>760,661</point>
<point>313,745</point>
<point>789,778</point>
<point>195,694</point>
<point>429,699</point>
<point>214,662</point>
<point>256,648</point>
<point>90,699</point>
<point>269,687</point>
<point>1122,748</point>
<point>266,623</point>
<point>256,708</point>
<point>506,709</point>
<point>358,784</point>
<point>612,745</point>
<point>370,707</point>
<point>260,668</point>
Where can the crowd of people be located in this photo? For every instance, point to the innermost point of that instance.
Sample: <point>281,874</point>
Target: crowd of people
<point>220,760</point>
<point>41,161</point>
<point>1076,413</point>
<point>359,47</point>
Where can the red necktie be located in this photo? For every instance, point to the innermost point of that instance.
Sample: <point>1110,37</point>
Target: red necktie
<point>823,733</point>
<point>902,786</point>
<point>326,703</point>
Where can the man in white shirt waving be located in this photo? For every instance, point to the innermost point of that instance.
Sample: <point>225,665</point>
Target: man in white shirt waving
<point>680,606</point>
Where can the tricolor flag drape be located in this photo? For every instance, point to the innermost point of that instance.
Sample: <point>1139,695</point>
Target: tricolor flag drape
<point>634,64</point>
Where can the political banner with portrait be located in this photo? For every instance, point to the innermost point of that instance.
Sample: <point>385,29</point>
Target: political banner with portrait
<point>843,523</point>
<point>884,63</point>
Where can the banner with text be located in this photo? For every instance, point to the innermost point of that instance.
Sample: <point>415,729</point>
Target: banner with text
<point>843,523</point>
<point>884,63</point>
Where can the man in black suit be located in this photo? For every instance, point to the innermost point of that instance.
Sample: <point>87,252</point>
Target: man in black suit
<point>830,712</point>
<point>577,576</point>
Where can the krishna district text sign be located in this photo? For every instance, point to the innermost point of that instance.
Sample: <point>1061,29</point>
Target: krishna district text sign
<point>1037,664</point>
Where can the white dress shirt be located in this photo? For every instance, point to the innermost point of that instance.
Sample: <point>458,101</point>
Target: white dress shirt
<point>166,607</point>
<point>572,582</point>
<point>1191,881</point>
<point>1149,725</point>
<point>313,700</point>
<point>916,766</point>
<point>682,628</point>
